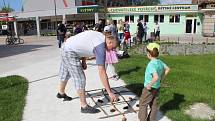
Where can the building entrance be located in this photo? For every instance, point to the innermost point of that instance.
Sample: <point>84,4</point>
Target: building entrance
<point>191,25</point>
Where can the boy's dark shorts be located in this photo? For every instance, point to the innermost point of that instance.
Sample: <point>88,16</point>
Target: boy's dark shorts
<point>157,34</point>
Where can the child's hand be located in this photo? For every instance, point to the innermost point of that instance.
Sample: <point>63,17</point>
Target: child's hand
<point>149,87</point>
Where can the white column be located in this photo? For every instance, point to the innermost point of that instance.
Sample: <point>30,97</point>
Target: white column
<point>38,25</point>
<point>64,17</point>
<point>15,28</point>
<point>192,26</point>
<point>96,17</point>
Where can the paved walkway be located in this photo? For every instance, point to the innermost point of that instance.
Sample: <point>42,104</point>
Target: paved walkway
<point>38,61</point>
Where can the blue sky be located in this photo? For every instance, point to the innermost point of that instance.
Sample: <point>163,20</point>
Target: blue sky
<point>15,4</point>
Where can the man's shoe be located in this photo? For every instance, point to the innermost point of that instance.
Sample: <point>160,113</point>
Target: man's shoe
<point>64,96</point>
<point>89,109</point>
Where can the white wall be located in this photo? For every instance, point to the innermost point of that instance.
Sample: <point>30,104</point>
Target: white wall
<point>41,8</point>
<point>35,5</point>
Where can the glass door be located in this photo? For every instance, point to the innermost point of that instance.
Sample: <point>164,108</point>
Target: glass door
<point>191,26</point>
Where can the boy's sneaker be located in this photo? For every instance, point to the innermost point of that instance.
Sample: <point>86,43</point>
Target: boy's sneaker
<point>64,96</point>
<point>89,109</point>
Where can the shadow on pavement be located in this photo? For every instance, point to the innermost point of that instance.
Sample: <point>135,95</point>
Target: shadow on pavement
<point>10,50</point>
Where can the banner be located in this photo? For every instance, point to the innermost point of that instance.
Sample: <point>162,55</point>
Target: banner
<point>138,9</point>
<point>165,8</point>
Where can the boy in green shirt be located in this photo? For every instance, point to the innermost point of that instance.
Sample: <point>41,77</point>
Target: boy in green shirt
<point>156,71</point>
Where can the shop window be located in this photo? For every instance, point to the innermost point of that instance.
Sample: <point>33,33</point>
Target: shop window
<point>43,25</point>
<point>129,18</point>
<point>155,18</point>
<point>214,27</point>
<point>159,18</point>
<point>126,18</point>
<point>171,19</point>
<point>145,18</point>
<point>140,17</point>
<point>174,18</point>
<point>49,25</point>
<point>177,18</point>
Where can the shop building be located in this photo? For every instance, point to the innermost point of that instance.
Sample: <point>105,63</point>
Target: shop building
<point>173,19</point>
<point>41,16</point>
<point>207,7</point>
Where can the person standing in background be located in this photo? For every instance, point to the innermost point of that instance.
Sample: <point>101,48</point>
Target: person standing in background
<point>78,29</point>
<point>113,28</point>
<point>145,28</point>
<point>61,31</point>
<point>99,26</point>
<point>127,36</point>
<point>120,27</point>
<point>140,31</point>
<point>157,31</point>
<point>111,56</point>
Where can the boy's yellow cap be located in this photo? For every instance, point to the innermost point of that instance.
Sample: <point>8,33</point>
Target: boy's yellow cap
<point>151,46</point>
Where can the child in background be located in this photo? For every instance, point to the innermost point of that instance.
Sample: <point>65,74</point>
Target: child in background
<point>111,56</point>
<point>127,36</point>
<point>111,59</point>
<point>156,71</point>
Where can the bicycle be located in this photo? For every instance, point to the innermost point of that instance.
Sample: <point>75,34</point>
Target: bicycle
<point>11,40</point>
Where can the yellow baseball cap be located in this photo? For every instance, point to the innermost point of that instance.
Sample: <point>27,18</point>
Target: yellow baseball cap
<point>151,46</point>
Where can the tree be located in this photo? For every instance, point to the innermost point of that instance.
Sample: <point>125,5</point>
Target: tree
<point>151,2</point>
<point>131,2</point>
<point>7,9</point>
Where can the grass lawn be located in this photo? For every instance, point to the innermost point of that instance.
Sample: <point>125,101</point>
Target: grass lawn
<point>191,79</point>
<point>13,90</point>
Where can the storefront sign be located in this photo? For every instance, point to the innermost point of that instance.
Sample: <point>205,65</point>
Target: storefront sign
<point>93,9</point>
<point>167,8</point>
<point>211,6</point>
<point>132,9</point>
<point>4,27</point>
<point>178,8</point>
